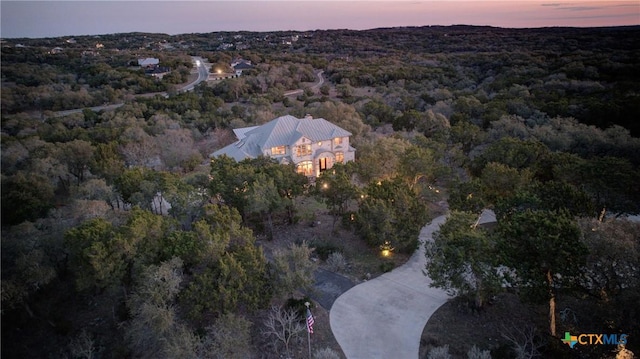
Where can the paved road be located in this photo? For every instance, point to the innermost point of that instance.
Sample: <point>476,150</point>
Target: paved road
<point>203,74</point>
<point>314,87</point>
<point>385,317</point>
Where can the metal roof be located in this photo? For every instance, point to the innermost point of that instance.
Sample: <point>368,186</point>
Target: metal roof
<point>282,131</point>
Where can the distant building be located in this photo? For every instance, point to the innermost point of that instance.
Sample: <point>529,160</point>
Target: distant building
<point>152,67</point>
<point>157,71</point>
<point>148,62</point>
<point>241,64</point>
<point>224,46</point>
<point>312,145</point>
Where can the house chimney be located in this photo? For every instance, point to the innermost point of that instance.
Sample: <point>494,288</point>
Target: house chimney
<point>308,117</point>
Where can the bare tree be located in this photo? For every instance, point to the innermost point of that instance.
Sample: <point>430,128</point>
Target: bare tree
<point>177,148</point>
<point>82,346</point>
<point>523,340</point>
<point>215,139</point>
<point>283,325</point>
<point>228,338</point>
<point>138,148</point>
<point>154,323</point>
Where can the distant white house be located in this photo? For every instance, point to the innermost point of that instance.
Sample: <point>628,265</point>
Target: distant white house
<point>312,144</point>
<point>148,62</point>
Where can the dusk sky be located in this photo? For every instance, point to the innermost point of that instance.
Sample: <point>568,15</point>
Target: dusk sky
<point>68,18</point>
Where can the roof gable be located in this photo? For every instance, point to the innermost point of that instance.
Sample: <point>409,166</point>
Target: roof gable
<point>287,130</point>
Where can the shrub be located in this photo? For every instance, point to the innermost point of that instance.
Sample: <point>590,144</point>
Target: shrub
<point>477,353</point>
<point>325,353</point>
<point>439,353</point>
<point>336,262</point>
<point>324,249</point>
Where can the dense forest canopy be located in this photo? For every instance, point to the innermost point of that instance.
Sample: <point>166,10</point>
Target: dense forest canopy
<point>121,207</point>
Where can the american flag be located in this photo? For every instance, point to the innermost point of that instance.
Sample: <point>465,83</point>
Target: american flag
<point>310,321</point>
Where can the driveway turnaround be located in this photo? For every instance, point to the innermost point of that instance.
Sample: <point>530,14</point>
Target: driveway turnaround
<point>384,317</point>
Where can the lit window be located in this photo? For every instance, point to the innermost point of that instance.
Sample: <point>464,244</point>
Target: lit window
<point>337,141</point>
<point>305,168</point>
<point>303,150</point>
<point>278,150</point>
<point>339,157</point>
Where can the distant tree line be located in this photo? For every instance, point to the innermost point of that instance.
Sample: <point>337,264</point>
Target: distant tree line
<point>122,212</point>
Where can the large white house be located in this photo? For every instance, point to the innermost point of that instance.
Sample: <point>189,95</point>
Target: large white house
<point>312,144</point>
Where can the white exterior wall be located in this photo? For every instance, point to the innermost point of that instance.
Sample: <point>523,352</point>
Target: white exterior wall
<point>325,149</point>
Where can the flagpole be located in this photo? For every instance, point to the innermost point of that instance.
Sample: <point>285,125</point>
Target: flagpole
<point>308,331</point>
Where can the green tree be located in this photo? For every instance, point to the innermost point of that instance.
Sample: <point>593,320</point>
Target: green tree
<point>418,165</point>
<point>545,250</point>
<point>434,125</point>
<point>27,267</point>
<point>514,153</point>
<point>336,191</point>
<point>461,258</point>
<point>408,120</point>
<point>467,196</point>
<point>235,269</point>
<point>500,181</point>
<point>551,195</point>
<point>98,255</point>
<point>263,198</point>
<point>25,197</point>
<point>379,159</point>
<point>611,182</point>
<point>77,155</point>
<point>343,115</point>
<point>325,89</point>
<point>230,181</point>
<point>467,134</point>
<point>143,235</point>
<point>237,280</point>
<point>293,269</point>
<point>375,222</point>
<point>146,188</point>
<point>391,212</point>
<point>233,182</point>
<point>184,245</point>
<point>345,91</point>
<point>128,183</point>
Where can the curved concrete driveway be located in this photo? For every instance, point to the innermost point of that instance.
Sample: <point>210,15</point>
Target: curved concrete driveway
<point>384,317</point>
